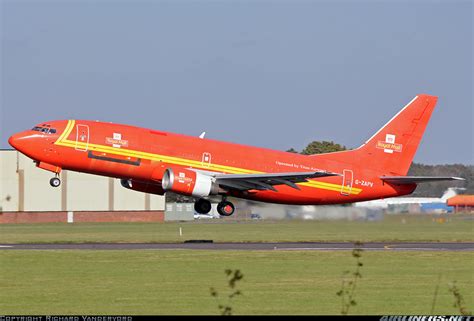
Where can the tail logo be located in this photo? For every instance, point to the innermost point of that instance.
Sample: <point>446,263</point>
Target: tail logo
<point>389,146</point>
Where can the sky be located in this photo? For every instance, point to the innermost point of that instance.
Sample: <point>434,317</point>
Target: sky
<point>275,74</point>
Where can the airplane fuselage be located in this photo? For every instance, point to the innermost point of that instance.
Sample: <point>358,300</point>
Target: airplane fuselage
<point>142,155</point>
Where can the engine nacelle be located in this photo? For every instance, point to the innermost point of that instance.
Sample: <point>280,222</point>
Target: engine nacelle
<point>142,186</point>
<point>188,182</point>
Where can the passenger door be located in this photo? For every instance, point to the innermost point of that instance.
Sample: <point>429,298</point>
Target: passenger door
<point>347,178</point>
<point>82,138</point>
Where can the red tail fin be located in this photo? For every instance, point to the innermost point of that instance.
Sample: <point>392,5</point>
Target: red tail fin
<point>392,148</point>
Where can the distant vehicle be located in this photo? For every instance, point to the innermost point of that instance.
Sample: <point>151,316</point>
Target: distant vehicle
<point>198,216</point>
<point>255,216</point>
<point>153,161</point>
<point>385,203</point>
<point>308,216</point>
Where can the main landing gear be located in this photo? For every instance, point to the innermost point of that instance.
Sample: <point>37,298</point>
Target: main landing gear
<point>55,181</point>
<point>202,206</point>
<point>224,208</point>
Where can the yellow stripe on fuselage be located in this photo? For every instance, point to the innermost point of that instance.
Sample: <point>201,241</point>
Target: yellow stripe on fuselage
<point>66,132</point>
<point>63,141</point>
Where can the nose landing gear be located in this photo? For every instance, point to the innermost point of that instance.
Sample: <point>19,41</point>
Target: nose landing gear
<point>55,182</point>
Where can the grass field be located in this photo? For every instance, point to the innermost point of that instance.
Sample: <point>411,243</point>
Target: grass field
<point>275,282</point>
<point>392,228</point>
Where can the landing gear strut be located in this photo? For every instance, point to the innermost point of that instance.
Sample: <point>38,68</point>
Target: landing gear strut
<point>55,182</point>
<point>202,206</point>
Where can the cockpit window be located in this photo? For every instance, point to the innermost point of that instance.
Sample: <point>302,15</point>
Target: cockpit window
<point>46,130</point>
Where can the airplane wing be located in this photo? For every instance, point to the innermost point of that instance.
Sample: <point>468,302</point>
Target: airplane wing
<point>267,181</point>
<point>418,179</point>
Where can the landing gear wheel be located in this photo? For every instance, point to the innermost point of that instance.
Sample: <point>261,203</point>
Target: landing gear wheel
<point>225,208</point>
<point>202,206</point>
<point>55,182</point>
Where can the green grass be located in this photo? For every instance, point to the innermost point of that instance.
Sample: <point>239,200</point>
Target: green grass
<point>275,282</point>
<point>392,228</point>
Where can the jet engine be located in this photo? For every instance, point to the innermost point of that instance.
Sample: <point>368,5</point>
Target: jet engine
<point>188,182</point>
<point>142,186</point>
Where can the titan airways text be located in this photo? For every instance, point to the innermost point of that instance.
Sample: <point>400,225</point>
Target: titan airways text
<point>153,161</point>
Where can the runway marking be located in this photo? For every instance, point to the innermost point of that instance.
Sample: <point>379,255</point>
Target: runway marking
<point>319,249</point>
<point>365,249</point>
<point>247,246</point>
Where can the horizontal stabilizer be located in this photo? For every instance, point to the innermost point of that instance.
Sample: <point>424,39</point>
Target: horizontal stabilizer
<point>418,179</point>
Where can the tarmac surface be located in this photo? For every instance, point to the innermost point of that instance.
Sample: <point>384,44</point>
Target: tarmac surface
<point>203,245</point>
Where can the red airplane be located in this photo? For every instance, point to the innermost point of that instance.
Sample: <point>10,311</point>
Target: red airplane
<point>153,161</point>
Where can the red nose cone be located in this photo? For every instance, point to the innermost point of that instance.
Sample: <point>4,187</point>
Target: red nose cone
<point>13,141</point>
<point>18,141</point>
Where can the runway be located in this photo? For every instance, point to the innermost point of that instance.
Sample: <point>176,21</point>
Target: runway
<point>313,246</point>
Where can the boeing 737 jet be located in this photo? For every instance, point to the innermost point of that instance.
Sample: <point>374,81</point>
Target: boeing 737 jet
<point>154,161</point>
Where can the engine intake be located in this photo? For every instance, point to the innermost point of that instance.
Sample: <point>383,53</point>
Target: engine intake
<point>188,182</point>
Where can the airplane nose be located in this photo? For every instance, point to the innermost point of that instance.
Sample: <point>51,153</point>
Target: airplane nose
<point>16,141</point>
<point>13,141</point>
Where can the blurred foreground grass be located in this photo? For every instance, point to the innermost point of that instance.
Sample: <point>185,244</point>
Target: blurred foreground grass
<point>275,282</point>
